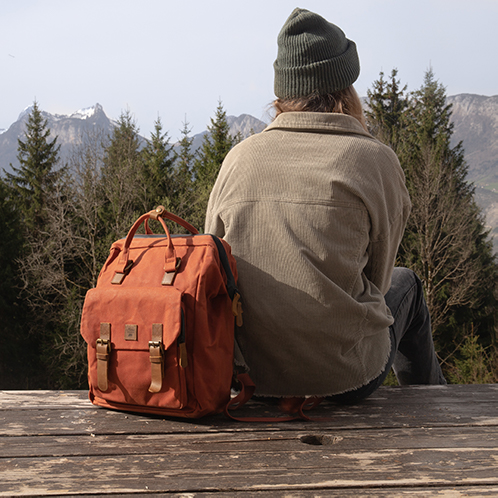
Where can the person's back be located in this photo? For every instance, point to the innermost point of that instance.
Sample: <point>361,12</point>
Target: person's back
<point>314,209</point>
<point>299,209</point>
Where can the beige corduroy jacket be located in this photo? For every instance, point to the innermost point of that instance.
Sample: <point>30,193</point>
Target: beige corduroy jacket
<point>314,209</point>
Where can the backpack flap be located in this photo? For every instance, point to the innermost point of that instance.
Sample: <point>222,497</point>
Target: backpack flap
<point>138,332</point>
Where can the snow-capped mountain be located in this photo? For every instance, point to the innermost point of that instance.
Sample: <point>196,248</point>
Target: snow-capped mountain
<point>87,113</point>
<point>68,129</point>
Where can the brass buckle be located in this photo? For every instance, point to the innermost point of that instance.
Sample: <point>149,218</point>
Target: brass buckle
<point>104,342</point>
<point>157,344</point>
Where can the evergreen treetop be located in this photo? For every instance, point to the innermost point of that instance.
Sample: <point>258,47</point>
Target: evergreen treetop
<point>34,180</point>
<point>122,177</point>
<point>216,144</point>
<point>182,199</point>
<point>158,168</point>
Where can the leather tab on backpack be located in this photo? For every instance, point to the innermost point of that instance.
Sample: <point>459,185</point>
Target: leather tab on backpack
<point>156,350</point>
<point>169,276</point>
<point>156,213</point>
<point>131,332</point>
<point>103,349</point>
<point>183,361</point>
<point>119,276</point>
<point>237,309</point>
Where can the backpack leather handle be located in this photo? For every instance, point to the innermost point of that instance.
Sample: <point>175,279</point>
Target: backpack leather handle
<point>160,212</point>
<point>169,257</point>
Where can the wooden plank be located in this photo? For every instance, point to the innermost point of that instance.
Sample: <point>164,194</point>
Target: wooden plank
<point>440,491</point>
<point>77,421</point>
<point>454,394</point>
<point>324,468</point>
<point>393,407</point>
<point>139,444</point>
<point>36,400</point>
<point>430,440</point>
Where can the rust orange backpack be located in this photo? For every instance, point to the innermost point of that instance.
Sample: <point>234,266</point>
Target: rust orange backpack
<point>160,323</point>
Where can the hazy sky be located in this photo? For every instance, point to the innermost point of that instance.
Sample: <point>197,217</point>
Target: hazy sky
<point>175,59</point>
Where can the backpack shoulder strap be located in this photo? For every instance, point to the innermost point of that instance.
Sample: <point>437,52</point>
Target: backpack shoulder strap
<point>232,290</point>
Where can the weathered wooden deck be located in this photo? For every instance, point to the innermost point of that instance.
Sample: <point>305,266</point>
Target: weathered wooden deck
<point>421,441</point>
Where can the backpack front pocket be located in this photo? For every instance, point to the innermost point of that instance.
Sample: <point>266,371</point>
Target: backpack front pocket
<point>137,353</point>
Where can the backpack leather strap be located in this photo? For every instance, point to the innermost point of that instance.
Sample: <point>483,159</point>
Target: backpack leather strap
<point>293,405</point>
<point>156,351</point>
<point>103,347</point>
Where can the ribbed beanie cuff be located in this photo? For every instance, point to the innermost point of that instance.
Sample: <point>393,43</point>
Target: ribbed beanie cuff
<point>313,56</point>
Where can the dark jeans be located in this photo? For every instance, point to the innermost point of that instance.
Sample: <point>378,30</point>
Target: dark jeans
<point>413,357</point>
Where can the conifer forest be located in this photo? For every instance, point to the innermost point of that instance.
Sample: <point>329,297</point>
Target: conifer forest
<point>58,221</point>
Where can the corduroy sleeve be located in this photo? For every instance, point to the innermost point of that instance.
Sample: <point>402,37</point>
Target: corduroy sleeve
<point>388,217</point>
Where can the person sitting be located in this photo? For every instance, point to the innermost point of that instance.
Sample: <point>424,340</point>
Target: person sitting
<point>314,209</point>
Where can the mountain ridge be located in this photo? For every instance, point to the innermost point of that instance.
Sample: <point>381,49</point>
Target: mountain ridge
<point>69,130</point>
<point>474,117</point>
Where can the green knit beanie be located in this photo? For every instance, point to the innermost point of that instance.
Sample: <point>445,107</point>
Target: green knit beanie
<point>313,56</point>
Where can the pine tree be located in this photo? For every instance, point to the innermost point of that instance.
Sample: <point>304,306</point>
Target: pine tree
<point>17,352</point>
<point>122,178</point>
<point>182,200</point>
<point>215,146</point>
<point>185,156</point>
<point>385,113</point>
<point>158,169</point>
<point>10,249</point>
<point>445,241</point>
<point>33,189</point>
<point>32,183</point>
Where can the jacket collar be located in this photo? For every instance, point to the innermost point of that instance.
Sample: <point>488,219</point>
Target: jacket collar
<point>324,122</point>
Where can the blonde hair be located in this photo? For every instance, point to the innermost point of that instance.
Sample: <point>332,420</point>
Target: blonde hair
<point>343,102</point>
